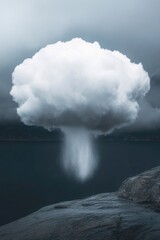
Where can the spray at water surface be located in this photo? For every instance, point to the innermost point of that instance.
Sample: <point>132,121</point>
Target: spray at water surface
<point>83,90</point>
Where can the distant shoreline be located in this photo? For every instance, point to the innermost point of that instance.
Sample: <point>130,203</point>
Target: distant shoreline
<point>60,140</point>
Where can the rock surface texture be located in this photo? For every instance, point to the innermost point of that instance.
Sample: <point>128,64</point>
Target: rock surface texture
<point>106,216</point>
<point>144,187</point>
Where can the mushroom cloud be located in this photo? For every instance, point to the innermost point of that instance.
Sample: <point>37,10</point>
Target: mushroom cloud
<point>82,89</point>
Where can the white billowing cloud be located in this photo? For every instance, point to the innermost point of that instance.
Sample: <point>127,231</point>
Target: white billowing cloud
<point>77,83</point>
<point>80,88</point>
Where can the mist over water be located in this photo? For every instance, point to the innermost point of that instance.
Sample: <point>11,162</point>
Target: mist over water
<point>79,157</point>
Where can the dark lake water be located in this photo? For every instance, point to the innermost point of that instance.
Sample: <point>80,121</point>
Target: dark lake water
<point>31,175</point>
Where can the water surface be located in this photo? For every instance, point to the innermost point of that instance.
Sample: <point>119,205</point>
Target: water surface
<point>31,174</point>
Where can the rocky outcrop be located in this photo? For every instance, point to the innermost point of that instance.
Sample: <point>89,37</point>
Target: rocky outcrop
<point>105,216</point>
<point>144,187</point>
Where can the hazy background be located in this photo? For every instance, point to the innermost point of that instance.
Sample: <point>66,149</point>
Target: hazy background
<point>30,172</point>
<point>131,27</point>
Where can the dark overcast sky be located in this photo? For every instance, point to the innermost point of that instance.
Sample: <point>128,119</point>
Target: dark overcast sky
<point>30,174</point>
<point>129,26</point>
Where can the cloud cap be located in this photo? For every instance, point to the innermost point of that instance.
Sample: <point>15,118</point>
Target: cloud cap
<point>77,83</point>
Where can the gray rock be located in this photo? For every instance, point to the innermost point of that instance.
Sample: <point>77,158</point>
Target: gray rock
<point>144,187</point>
<point>102,217</point>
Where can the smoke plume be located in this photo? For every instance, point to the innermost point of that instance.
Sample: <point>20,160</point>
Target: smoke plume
<point>82,89</point>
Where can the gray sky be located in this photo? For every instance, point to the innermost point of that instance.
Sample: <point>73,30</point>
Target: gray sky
<point>129,26</point>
